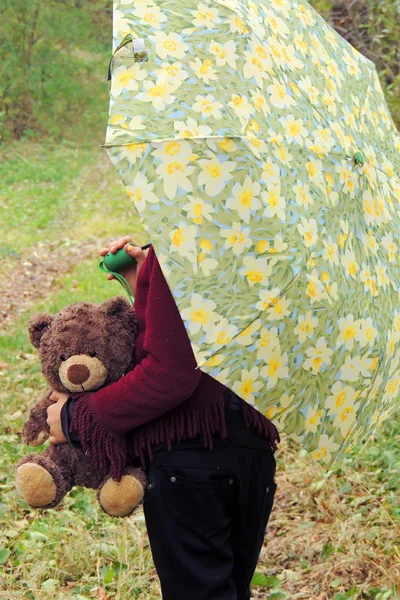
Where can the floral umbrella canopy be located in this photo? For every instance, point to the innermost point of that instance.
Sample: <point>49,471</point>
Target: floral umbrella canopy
<point>259,152</point>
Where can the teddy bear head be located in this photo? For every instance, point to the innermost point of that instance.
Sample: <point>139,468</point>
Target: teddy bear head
<point>86,345</point>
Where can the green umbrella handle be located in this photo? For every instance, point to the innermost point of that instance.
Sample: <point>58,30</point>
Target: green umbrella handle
<point>117,262</point>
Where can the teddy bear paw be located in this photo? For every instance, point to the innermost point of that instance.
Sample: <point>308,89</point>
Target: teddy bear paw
<point>35,485</point>
<point>120,498</point>
<point>37,439</point>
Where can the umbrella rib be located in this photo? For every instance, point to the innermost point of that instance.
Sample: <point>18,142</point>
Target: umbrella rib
<point>374,377</point>
<point>336,206</point>
<point>384,172</point>
<point>234,137</point>
<point>214,137</point>
<point>176,139</point>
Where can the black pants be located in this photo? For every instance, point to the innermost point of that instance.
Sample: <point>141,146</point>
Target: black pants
<point>206,513</point>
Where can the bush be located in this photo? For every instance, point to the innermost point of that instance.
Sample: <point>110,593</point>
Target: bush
<point>54,52</point>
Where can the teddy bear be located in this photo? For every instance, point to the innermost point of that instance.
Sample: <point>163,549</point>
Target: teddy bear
<point>82,348</point>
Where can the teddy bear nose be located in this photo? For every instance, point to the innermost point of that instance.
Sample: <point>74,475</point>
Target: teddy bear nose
<point>78,373</point>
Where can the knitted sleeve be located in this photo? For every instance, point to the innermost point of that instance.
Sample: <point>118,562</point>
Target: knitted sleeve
<point>163,379</point>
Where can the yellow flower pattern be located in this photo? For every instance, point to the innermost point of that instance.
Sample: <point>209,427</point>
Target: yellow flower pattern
<point>259,153</point>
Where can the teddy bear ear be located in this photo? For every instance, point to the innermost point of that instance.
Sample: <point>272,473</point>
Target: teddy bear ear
<point>38,325</point>
<point>117,306</point>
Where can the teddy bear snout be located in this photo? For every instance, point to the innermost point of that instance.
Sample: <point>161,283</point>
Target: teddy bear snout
<point>78,373</point>
<point>82,372</point>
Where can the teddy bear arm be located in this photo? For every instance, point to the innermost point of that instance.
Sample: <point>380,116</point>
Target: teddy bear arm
<point>36,430</point>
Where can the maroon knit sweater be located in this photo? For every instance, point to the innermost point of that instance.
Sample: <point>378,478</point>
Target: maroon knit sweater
<point>165,398</point>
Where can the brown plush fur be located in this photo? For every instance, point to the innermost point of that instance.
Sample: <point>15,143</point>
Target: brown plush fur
<point>82,348</point>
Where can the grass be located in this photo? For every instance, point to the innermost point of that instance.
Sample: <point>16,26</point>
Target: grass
<point>75,549</point>
<point>64,191</point>
<point>58,210</point>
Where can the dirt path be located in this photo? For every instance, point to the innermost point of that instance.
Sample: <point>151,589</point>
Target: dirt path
<point>33,276</point>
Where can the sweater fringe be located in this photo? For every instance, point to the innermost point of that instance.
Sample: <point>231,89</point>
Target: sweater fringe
<point>181,423</point>
<point>111,454</point>
<point>108,452</point>
<point>189,422</point>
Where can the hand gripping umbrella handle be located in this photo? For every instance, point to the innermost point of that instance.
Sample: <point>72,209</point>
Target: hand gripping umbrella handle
<point>139,51</point>
<point>116,262</point>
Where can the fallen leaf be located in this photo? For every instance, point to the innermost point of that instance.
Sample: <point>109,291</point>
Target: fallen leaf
<point>11,533</point>
<point>21,524</point>
<point>102,594</point>
<point>16,415</point>
<point>289,575</point>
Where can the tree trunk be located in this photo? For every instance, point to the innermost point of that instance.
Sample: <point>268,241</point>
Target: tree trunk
<point>26,100</point>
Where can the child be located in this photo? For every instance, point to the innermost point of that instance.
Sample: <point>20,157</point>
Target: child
<point>208,455</point>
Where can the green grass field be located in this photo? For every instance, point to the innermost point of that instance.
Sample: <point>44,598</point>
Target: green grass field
<point>62,198</point>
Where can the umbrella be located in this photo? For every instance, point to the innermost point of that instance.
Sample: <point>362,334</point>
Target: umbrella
<point>259,152</point>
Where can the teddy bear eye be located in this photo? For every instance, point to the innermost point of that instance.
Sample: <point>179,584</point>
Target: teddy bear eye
<point>63,357</point>
<point>92,354</point>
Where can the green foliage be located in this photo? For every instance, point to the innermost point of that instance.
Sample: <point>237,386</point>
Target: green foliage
<point>265,581</point>
<point>54,67</point>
